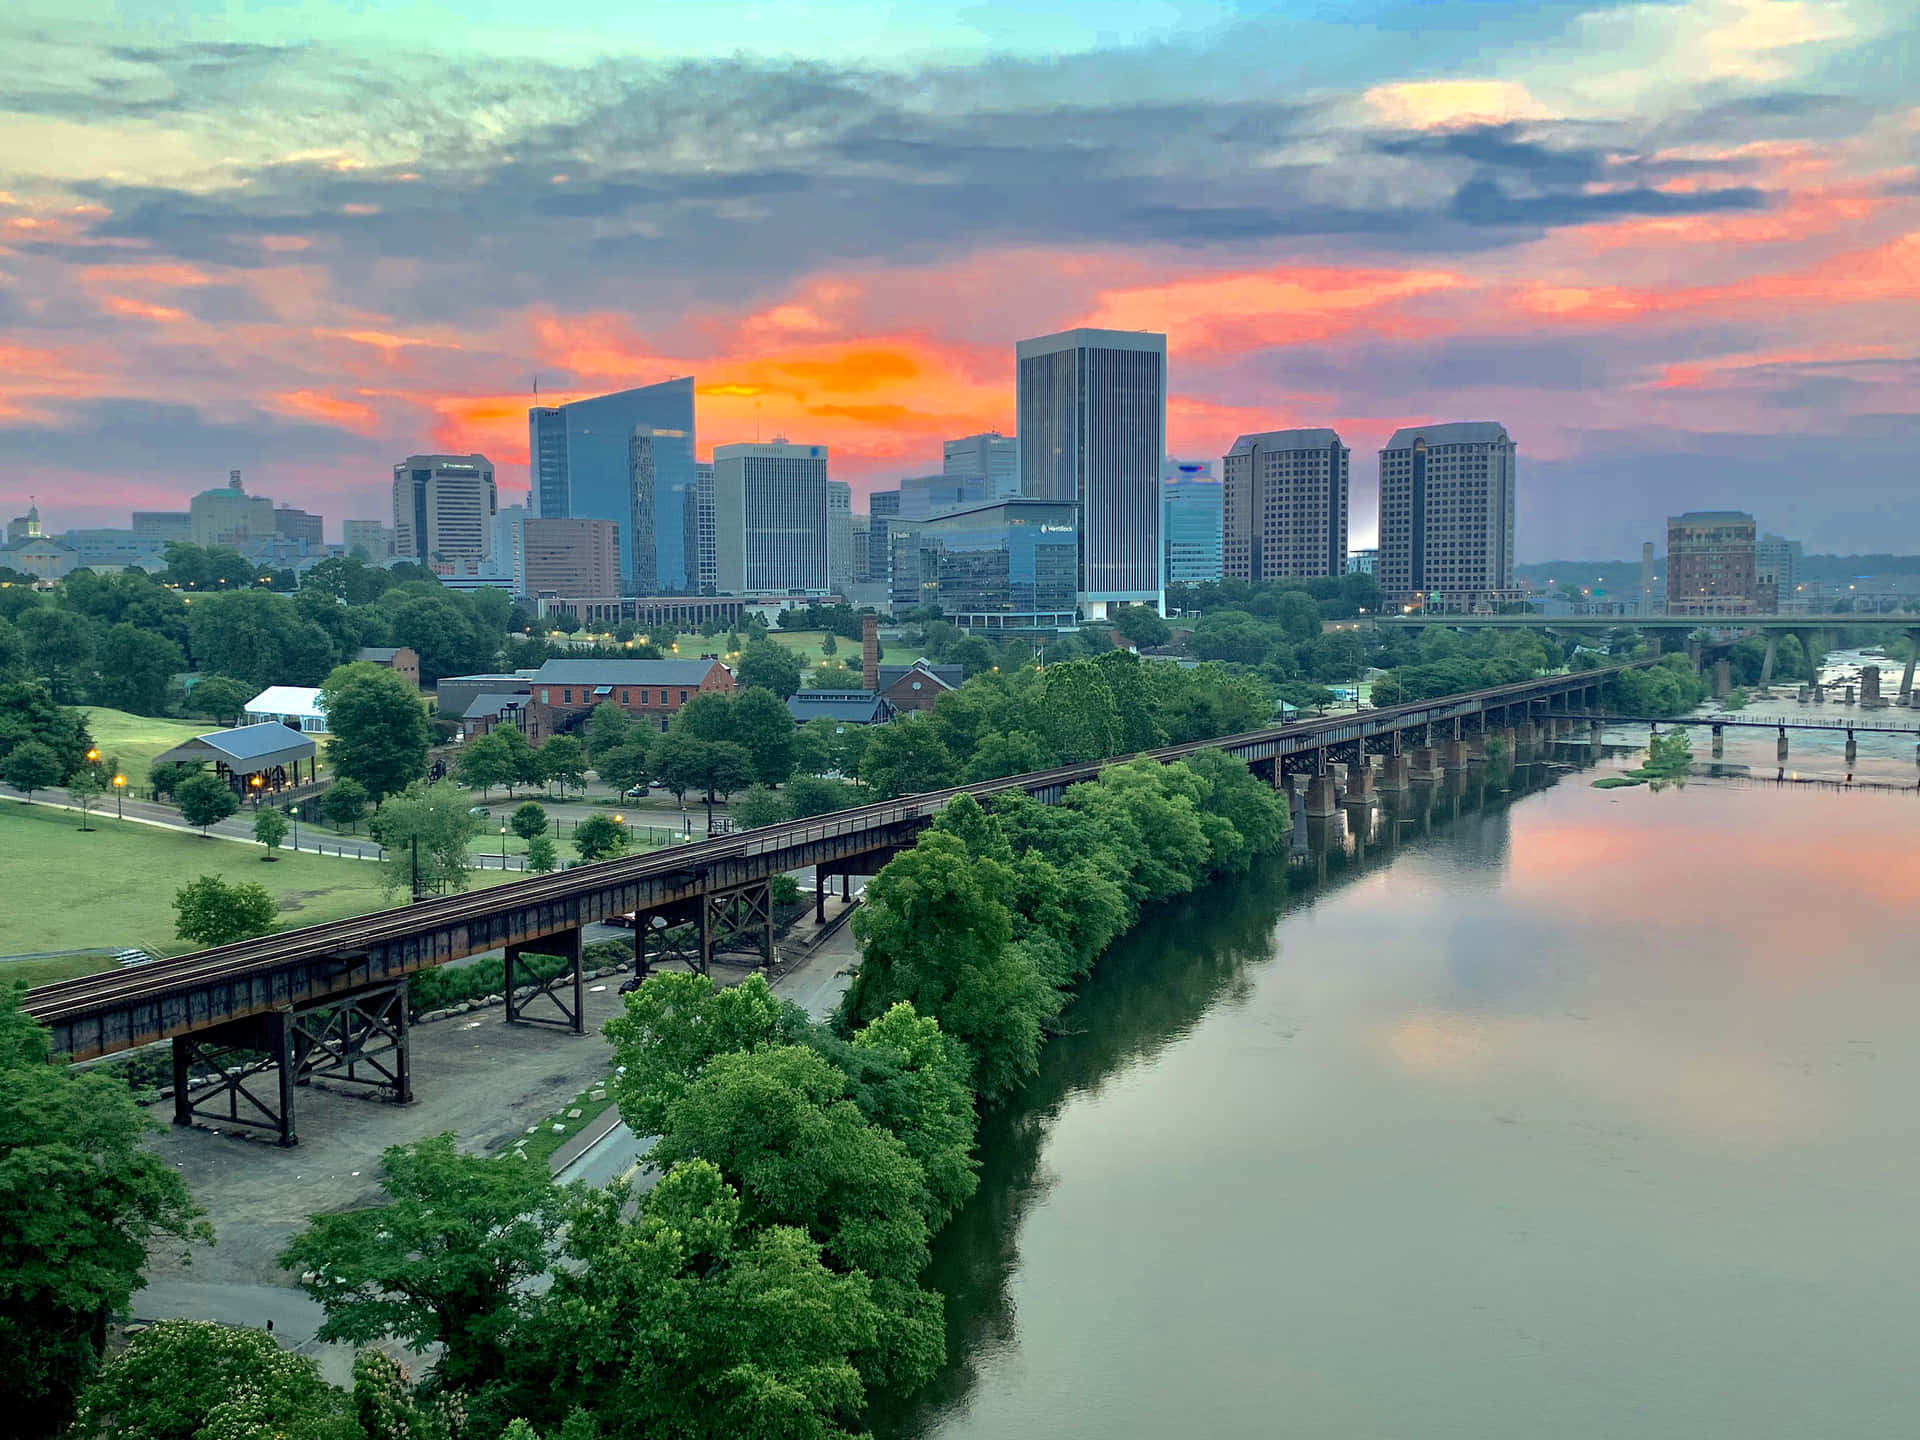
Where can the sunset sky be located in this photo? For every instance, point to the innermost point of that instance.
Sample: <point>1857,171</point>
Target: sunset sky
<point>1675,247</point>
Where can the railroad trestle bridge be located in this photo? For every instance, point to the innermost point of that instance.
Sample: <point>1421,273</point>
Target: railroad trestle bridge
<point>329,1002</point>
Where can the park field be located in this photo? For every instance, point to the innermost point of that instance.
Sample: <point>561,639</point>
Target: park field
<point>112,887</point>
<point>136,739</point>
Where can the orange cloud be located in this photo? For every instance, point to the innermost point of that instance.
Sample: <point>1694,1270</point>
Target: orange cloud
<point>1255,310</point>
<point>140,309</point>
<point>317,405</point>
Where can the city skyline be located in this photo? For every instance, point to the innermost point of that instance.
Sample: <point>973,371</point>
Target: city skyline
<point>1683,242</point>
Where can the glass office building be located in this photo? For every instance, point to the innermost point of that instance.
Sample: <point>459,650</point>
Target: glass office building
<point>628,458</point>
<point>1190,521</point>
<point>1093,425</point>
<point>1009,564</point>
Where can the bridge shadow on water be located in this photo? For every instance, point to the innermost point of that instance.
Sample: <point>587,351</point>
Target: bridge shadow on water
<point>1149,991</point>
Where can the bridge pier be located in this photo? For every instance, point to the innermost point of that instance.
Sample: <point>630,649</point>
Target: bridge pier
<point>1426,763</point>
<point>1780,746</point>
<point>1853,750</point>
<point>1906,676</point>
<point>1766,665</point>
<point>1453,755</point>
<point>1719,741</point>
<point>1322,802</point>
<point>1722,679</point>
<point>1360,783</point>
<point>1395,772</point>
<point>564,946</point>
<point>358,1039</point>
<point>740,921</point>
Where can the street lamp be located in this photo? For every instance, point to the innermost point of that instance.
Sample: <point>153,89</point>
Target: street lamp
<point>294,812</point>
<point>255,782</point>
<point>503,847</point>
<point>625,833</point>
<point>119,796</point>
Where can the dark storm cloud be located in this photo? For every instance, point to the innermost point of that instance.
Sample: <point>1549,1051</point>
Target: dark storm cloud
<point>736,179</point>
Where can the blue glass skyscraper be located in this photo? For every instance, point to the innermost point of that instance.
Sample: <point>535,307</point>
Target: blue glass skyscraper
<point>628,458</point>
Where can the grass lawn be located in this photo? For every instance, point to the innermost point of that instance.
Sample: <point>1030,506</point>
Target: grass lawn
<point>549,1135</point>
<point>136,739</point>
<point>59,967</point>
<point>807,644</point>
<point>113,887</point>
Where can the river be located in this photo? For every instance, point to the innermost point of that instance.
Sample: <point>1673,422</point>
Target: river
<point>1550,1111</point>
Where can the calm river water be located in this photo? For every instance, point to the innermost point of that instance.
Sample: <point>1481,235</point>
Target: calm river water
<point>1556,1112</point>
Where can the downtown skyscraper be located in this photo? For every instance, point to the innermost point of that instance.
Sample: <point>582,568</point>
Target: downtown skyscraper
<point>628,458</point>
<point>770,519</point>
<point>1285,506</point>
<point>1446,516</point>
<point>1092,428</point>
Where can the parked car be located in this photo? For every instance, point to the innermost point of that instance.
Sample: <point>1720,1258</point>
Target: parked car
<point>480,812</point>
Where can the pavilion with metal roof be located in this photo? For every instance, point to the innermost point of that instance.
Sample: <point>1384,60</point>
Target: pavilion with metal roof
<point>252,759</point>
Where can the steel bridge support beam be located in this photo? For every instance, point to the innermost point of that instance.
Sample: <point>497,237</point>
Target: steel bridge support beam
<point>739,921</point>
<point>359,1040</point>
<point>247,1057</point>
<point>553,989</point>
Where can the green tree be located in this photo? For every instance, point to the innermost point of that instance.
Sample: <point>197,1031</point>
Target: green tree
<point>447,1260</point>
<point>724,768</point>
<point>934,932</point>
<point>778,1125</point>
<point>607,729</point>
<point>599,837</point>
<point>345,803</point>
<point>270,828</point>
<point>1142,625</point>
<point>82,1201</point>
<point>541,855</point>
<point>84,787</point>
<point>762,723</point>
<point>829,644</point>
<point>192,1380</point>
<point>27,713</point>
<point>1017,753</point>
<point>486,762</point>
<point>30,766</point>
<point>676,759</point>
<point>377,730</point>
<point>59,647</point>
<point>768,665</point>
<point>688,1320</point>
<point>919,1091</point>
<point>906,757</point>
<point>205,800</point>
<point>136,667</point>
<point>757,806</point>
<point>833,675</point>
<point>672,1027</point>
<point>626,767</point>
<point>814,747</point>
<point>708,715</point>
<point>562,759</point>
<point>211,912</point>
<point>817,795</point>
<point>1079,713</point>
<point>528,821</point>
<point>425,833</point>
<point>220,698</point>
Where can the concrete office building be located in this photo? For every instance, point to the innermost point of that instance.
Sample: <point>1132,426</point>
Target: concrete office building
<point>770,519</point>
<point>1447,515</point>
<point>839,535</point>
<point>443,508</point>
<point>1284,506</point>
<point>628,458</point>
<point>231,517</point>
<point>1006,564</point>
<point>371,537</point>
<point>164,525</point>
<point>859,528</point>
<point>1093,424</point>
<point>994,457</point>
<point>1363,562</point>
<point>1711,563</point>
<point>701,538</point>
<point>299,525</point>
<point>1190,521</point>
<point>571,557</point>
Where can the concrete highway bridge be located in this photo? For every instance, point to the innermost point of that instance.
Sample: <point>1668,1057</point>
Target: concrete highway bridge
<point>1712,649</point>
<point>329,1002</point>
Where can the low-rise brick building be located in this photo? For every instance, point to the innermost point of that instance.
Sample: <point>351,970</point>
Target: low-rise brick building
<point>565,691</point>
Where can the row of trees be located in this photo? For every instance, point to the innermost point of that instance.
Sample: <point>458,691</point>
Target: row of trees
<point>121,639</point>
